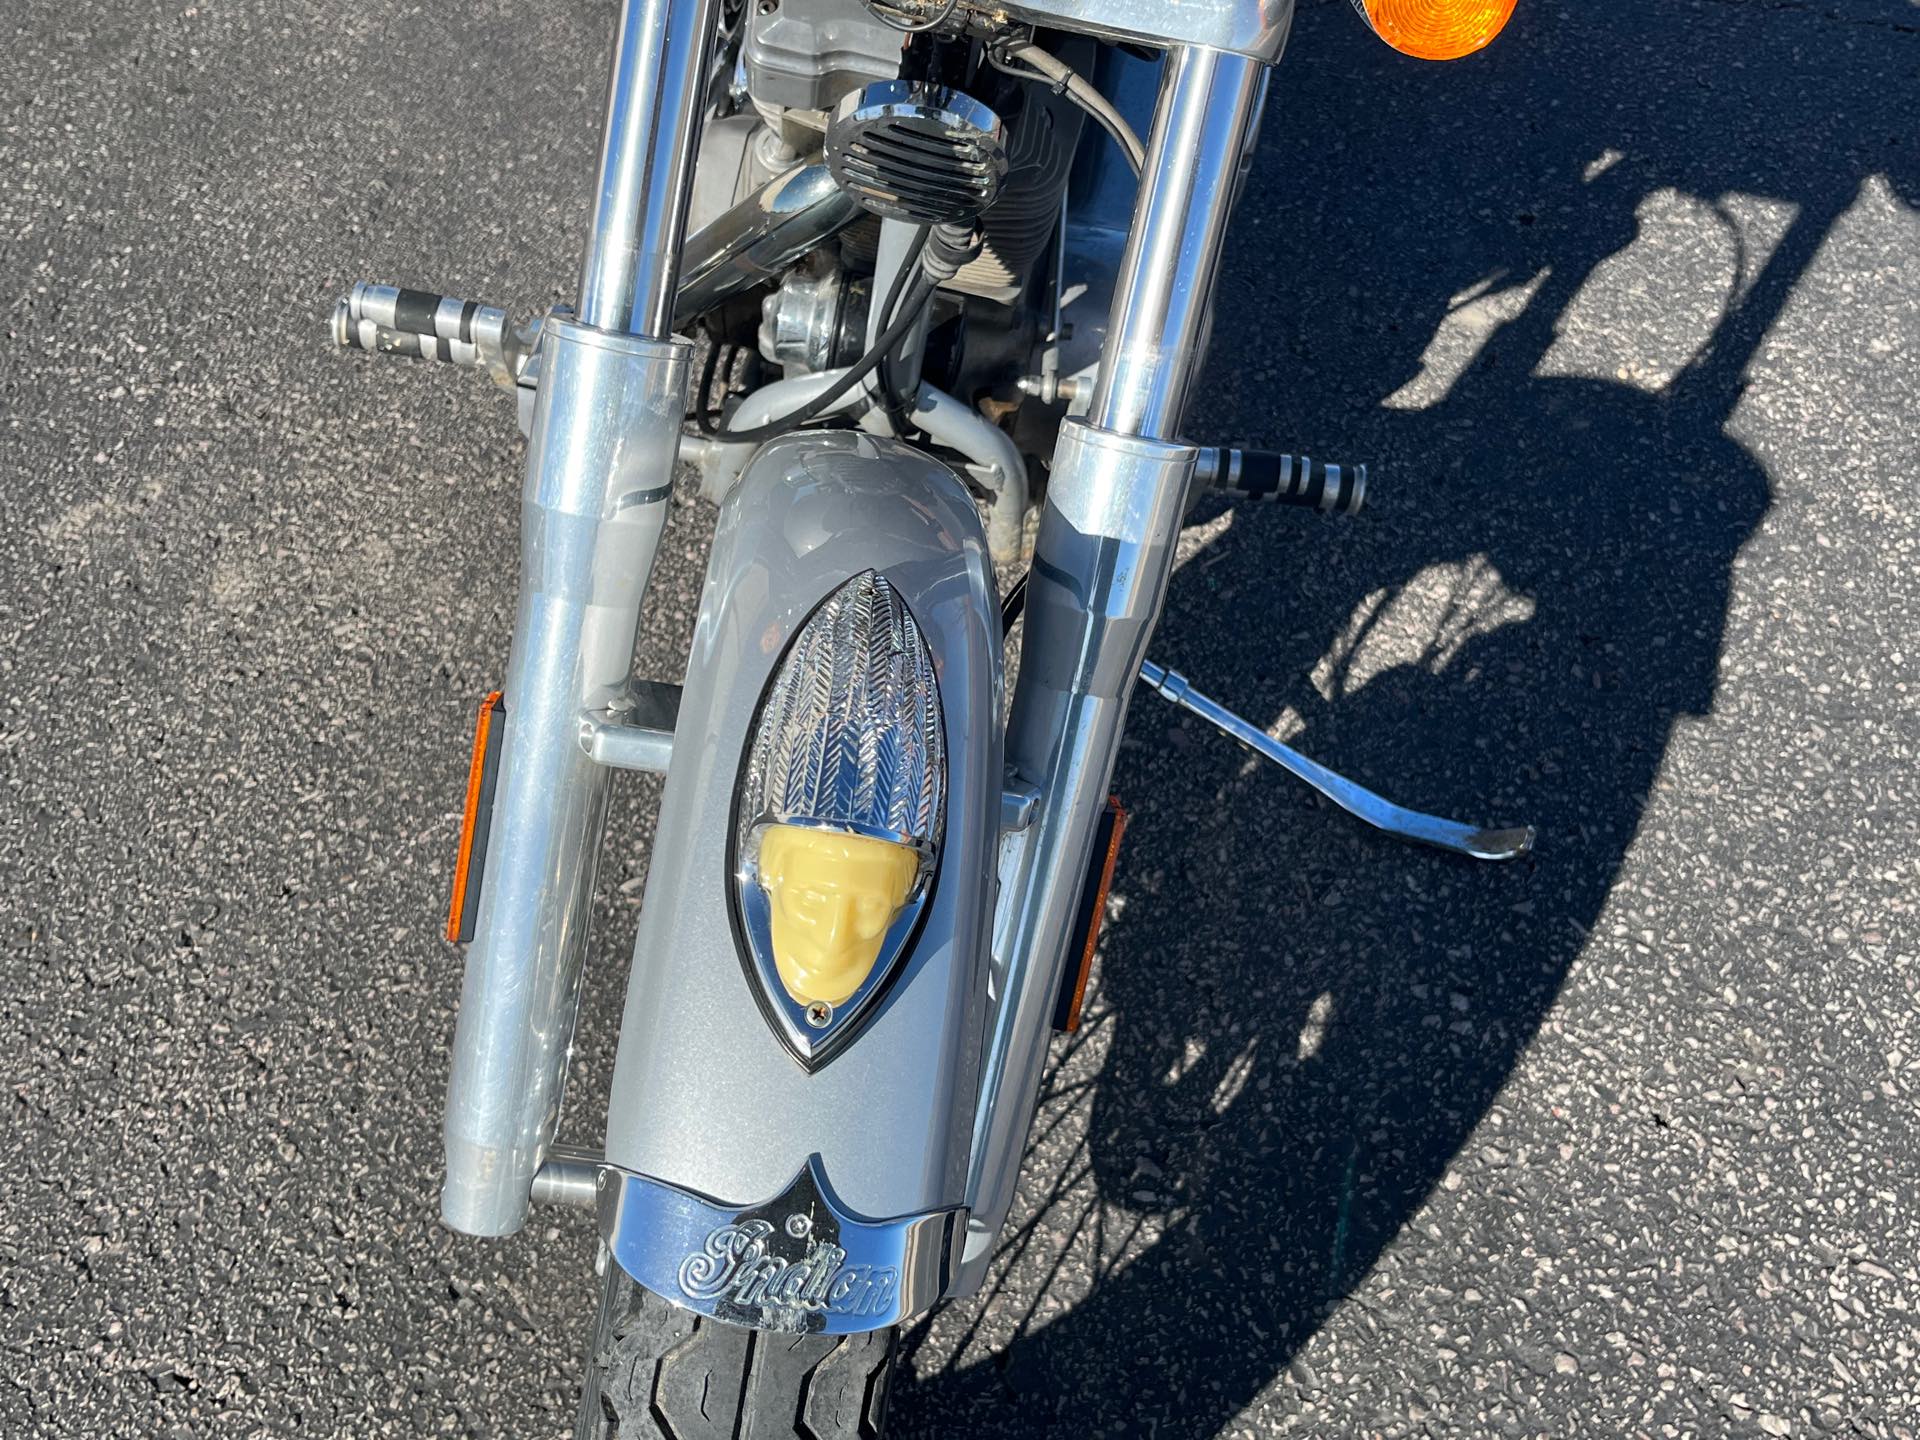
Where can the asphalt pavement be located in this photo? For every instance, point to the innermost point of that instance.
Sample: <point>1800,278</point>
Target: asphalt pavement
<point>1357,1140</point>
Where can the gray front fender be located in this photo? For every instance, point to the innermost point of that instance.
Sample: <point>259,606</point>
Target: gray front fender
<point>706,1101</point>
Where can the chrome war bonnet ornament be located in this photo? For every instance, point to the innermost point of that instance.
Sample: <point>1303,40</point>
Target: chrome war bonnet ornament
<point>840,815</point>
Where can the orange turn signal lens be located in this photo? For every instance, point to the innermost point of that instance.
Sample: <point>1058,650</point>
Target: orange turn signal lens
<point>1437,29</point>
<point>483,768</point>
<point>1093,910</point>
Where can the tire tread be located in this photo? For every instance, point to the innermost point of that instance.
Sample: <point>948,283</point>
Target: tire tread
<point>657,1372</point>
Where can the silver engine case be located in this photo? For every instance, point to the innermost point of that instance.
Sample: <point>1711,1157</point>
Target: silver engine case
<point>807,54</point>
<point>705,1098</point>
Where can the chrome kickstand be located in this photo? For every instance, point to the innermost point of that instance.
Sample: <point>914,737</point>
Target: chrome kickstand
<point>1356,800</point>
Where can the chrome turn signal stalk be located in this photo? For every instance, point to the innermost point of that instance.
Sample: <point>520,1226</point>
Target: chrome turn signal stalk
<point>1476,841</point>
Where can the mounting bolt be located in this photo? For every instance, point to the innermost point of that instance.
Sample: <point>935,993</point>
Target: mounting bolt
<point>1050,389</point>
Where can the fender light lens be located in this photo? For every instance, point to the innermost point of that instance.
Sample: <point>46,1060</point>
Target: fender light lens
<point>1093,911</point>
<point>1436,29</point>
<point>839,816</point>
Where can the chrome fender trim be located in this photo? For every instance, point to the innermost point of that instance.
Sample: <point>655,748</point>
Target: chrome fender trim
<point>800,1262</point>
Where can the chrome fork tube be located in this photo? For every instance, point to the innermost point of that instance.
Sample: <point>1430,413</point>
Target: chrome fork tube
<point>1209,105</point>
<point>655,108</point>
<point>1099,577</point>
<point>606,428</point>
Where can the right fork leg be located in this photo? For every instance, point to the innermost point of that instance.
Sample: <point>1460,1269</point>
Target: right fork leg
<point>606,430</point>
<point>1099,577</point>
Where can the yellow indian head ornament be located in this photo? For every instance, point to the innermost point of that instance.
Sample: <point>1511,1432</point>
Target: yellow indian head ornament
<point>834,897</point>
<point>841,809</point>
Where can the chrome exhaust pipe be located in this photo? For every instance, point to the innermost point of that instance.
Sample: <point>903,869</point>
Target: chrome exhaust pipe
<point>758,239</point>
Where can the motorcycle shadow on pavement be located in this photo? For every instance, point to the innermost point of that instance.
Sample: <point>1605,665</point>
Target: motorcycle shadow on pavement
<point>1297,1024</point>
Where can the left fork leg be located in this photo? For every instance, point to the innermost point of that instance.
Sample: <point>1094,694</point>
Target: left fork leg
<point>606,429</point>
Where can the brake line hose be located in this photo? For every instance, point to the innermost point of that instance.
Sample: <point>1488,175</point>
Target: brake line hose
<point>1049,69</point>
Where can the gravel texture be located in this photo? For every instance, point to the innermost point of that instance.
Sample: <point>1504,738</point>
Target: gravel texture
<point>1357,1140</point>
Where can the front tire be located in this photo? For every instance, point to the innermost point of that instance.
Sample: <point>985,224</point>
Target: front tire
<point>657,1372</point>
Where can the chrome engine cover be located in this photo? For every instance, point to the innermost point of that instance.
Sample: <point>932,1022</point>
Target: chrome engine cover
<point>912,151</point>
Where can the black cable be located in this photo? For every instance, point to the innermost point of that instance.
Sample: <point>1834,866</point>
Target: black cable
<point>1014,606</point>
<point>704,411</point>
<point>916,251</point>
<point>917,297</point>
<point>898,326</point>
<point>909,263</point>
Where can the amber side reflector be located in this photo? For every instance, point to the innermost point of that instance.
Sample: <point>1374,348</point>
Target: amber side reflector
<point>482,768</point>
<point>1436,29</point>
<point>1093,910</point>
